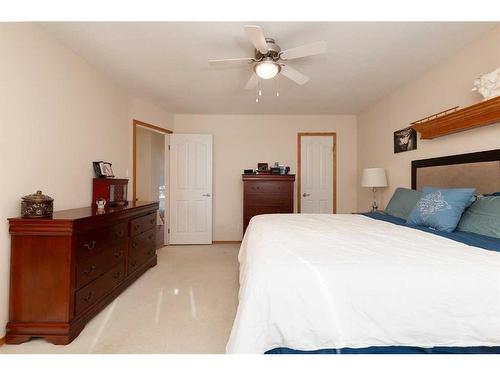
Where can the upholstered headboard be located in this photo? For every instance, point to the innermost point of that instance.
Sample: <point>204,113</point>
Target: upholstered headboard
<point>480,170</point>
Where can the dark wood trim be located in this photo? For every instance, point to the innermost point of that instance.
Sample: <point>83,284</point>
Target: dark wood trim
<point>225,242</point>
<point>473,157</point>
<point>334,156</point>
<point>135,124</point>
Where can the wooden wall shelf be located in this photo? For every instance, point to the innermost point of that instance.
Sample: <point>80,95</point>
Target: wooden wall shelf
<point>474,116</point>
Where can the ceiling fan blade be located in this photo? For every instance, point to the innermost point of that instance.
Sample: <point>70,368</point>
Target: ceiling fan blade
<point>303,51</point>
<point>294,75</point>
<point>222,62</point>
<point>256,36</point>
<point>252,82</point>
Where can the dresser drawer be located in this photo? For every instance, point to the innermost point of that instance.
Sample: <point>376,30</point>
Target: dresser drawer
<point>266,187</point>
<point>142,224</point>
<point>271,199</point>
<point>261,210</point>
<point>264,210</point>
<point>93,241</point>
<point>91,267</point>
<point>141,249</point>
<point>97,289</point>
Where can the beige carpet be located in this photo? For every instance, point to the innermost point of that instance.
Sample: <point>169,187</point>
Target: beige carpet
<point>186,304</point>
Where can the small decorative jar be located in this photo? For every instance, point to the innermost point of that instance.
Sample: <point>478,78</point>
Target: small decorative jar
<point>37,206</point>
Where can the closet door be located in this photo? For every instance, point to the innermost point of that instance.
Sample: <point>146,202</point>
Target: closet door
<point>317,178</point>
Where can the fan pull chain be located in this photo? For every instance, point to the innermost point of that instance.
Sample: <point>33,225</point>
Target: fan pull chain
<point>259,91</point>
<point>278,85</point>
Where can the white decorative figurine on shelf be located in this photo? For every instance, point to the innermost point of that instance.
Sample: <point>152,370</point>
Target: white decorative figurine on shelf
<point>488,85</point>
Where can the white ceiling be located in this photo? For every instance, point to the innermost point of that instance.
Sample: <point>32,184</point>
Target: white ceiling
<point>167,61</point>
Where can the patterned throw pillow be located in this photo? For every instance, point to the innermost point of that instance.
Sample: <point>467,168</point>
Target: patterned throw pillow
<point>440,209</point>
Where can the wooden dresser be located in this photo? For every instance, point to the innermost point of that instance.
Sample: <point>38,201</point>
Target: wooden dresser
<point>266,194</point>
<point>64,270</point>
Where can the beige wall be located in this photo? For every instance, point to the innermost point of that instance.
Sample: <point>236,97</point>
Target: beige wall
<point>145,111</point>
<point>241,141</point>
<point>143,164</point>
<point>150,151</point>
<point>58,115</point>
<point>446,85</point>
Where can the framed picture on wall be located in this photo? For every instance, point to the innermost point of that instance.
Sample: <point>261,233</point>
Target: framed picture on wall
<point>405,140</point>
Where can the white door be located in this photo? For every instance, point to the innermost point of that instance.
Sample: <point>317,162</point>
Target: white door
<point>190,188</point>
<point>316,175</point>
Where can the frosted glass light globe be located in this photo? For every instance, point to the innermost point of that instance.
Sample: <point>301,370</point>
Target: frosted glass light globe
<point>267,69</point>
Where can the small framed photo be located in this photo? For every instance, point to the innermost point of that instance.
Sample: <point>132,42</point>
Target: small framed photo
<point>103,169</point>
<point>262,167</point>
<point>106,169</point>
<point>405,140</point>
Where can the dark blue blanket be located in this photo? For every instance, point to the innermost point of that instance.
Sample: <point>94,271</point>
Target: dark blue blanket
<point>472,239</point>
<point>394,350</point>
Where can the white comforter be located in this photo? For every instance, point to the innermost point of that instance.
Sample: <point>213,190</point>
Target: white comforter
<point>333,281</point>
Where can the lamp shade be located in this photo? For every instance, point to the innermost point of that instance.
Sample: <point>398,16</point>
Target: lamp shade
<point>374,177</point>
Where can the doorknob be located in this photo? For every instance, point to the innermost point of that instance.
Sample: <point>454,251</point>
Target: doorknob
<point>305,195</point>
<point>206,195</point>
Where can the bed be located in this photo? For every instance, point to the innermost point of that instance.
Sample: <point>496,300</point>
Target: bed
<point>370,284</point>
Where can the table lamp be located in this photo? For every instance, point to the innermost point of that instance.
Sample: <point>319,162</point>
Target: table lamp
<point>374,178</point>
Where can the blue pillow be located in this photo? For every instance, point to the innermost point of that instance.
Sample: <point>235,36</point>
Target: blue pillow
<point>402,202</point>
<point>483,217</point>
<point>440,209</point>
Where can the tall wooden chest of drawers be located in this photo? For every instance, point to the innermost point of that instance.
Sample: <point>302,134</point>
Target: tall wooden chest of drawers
<point>64,270</point>
<point>266,194</point>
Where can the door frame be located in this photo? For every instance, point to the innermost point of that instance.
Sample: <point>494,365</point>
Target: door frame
<point>135,124</point>
<point>334,159</point>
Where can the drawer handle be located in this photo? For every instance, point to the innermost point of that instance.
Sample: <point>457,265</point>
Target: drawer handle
<point>134,263</point>
<point>119,233</point>
<point>88,297</point>
<point>89,271</point>
<point>134,245</point>
<point>136,226</point>
<point>152,221</point>
<point>90,245</point>
<point>150,237</point>
<point>151,251</point>
<point>118,254</point>
<point>117,275</point>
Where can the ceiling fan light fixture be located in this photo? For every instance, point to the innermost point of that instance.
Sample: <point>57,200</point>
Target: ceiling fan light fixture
<point>267,69</point>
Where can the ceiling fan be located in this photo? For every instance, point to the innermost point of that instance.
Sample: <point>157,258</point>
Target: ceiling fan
<point>269,60</point>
